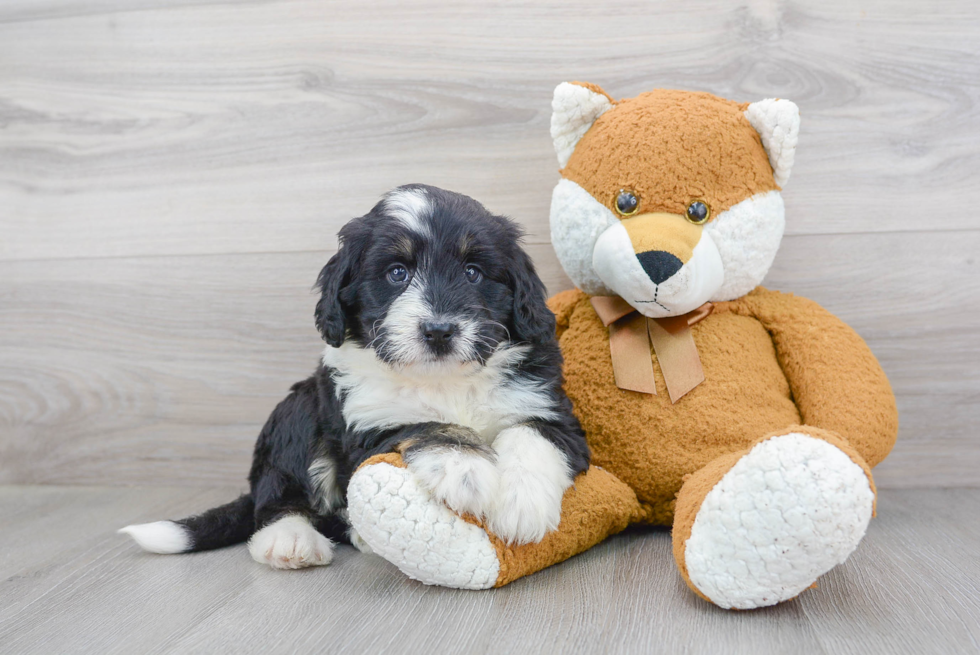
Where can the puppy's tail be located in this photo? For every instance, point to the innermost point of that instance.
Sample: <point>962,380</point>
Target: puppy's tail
<point>222,526</point>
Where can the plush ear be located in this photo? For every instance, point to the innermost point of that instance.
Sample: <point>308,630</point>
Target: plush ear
<point>533,321</point>
<point>778,123</point>
<point>330,318</point>
<point>574,108</point>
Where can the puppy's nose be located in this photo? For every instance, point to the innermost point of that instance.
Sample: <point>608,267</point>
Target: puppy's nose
<point>438,333</point>
<point>659,265</point>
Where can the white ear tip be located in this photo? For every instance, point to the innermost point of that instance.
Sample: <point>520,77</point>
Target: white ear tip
<point>561,91</point>
<point>778,123</point>
<point>574,109</point>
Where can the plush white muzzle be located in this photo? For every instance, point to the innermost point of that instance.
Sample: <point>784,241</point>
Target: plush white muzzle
<point>690,287</point>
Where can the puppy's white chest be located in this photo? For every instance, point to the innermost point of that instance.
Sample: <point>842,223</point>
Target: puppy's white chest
<point>374,396</point>
<point>386,405</point>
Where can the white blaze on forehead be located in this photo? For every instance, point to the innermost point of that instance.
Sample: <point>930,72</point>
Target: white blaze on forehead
<point>409,206</point>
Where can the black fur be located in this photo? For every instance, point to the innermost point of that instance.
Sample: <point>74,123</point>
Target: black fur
<point>508,304</point>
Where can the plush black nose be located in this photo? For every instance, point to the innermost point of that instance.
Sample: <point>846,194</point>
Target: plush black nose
<point>438,333</point>
<point>659,265</point>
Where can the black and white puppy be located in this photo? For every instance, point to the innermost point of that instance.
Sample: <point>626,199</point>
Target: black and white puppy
<point>441,347</point>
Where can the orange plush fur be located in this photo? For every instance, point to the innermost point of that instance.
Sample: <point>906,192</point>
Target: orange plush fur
<point>773,363</point>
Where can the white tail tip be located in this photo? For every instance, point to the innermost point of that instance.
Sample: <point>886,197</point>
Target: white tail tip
<point>164,537</point>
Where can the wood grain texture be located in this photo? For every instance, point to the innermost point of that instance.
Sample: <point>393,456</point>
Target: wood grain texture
<point>147,128</point>
<point>173,174</point>
<point>129,370</point>
<point>911,587</point>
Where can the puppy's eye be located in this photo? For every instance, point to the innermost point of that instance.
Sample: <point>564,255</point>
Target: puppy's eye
<point>473,274</point>
<point>698,212</point>
<point>627,203</point>
<point>397,274</point>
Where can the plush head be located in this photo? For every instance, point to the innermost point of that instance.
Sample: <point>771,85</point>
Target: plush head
<point>431,277</point>
<point>669,199</point>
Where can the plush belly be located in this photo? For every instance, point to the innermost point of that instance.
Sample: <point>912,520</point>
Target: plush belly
<point>652,444</point>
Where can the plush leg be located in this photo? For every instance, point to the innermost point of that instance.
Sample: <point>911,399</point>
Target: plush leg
<point>757,527</point>
<point>400,521</point>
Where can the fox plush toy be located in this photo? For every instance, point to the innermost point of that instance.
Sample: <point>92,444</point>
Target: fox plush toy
<point>746,419</point>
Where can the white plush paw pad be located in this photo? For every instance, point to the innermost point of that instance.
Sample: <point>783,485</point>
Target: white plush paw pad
<point>290,543</point>
<point>464,480</point>
<point>787,512</point>
<point>403,523</point>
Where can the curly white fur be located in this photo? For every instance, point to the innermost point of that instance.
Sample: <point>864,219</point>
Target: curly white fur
<point>533,478</point>
<point>747,237</point>
<point>398,520</point>
<point>778,123</point>
<point>787,512</point>
<point>574,109</point>
<point>465,480</point>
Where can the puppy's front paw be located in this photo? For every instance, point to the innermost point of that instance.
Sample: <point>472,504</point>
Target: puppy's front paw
<point>533,479</point>
<point>290,543</point>
<point>527,508</point>
<point>464,477</point>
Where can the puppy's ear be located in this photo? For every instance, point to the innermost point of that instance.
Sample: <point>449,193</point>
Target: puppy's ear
<point>330,317</point>
<point>533,321</point>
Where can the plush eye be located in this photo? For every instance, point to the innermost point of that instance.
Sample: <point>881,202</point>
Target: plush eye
<point>698,212</point>
<point>397,274</point>
<point>473,274</point>
<point>627,203</point>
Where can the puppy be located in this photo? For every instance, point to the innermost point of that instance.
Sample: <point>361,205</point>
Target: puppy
<point>440,347</point>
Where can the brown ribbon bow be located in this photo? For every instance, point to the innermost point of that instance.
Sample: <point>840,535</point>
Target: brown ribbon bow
<point>630,336</point>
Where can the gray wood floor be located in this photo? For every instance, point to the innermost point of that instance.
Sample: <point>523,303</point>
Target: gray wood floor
<point>68,583</point>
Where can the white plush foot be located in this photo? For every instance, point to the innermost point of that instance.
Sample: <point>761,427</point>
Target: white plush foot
<point>463,479</point>
<point>290,543</point>
<point>533,479</point>
<point>401,521</point>
<point>164,537</point>
<point>789,511</point>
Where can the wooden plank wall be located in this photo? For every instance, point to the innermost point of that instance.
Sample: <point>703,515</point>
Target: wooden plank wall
<point>173,173</point>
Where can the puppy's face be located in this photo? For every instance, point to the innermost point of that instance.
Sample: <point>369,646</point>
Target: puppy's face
<point>431,277</point>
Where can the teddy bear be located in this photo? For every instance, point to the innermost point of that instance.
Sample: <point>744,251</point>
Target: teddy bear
<point>747,420</point>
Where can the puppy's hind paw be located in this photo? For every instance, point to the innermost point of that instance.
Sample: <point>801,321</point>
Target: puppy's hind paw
<point>464,478</point>
<point>290,543</point>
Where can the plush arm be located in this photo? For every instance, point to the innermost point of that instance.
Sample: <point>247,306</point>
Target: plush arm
<point>836,381</point>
